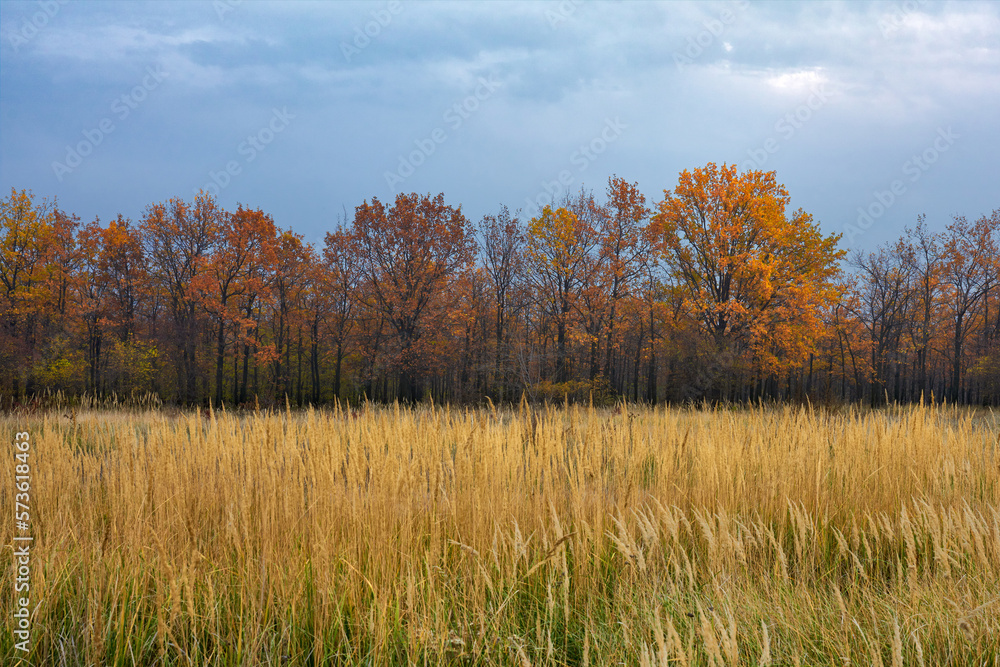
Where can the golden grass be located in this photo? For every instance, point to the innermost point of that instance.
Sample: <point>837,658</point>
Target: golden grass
<point>550,537</point>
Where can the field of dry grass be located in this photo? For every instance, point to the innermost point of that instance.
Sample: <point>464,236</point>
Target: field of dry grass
<point>775,536</point>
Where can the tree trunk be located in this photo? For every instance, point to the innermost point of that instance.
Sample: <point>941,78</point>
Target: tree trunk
<point>593,359</point>
<point>956,370</point>
<point>236,372</point>
<point>220,357</point>
<point>562,372</point>
<point>314,362</point>
<point>498,375</point>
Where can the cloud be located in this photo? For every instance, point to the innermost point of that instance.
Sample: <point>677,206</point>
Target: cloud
<point>119,42</point>
<point>895,76</point>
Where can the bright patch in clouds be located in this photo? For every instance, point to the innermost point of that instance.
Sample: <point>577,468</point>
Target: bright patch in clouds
<point>796,81</point>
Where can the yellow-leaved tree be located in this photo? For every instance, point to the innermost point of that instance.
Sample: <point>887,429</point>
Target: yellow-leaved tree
<point>755,279</point>
<point>561,259</point>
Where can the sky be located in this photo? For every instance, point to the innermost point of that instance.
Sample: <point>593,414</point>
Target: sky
<point>869,113</point>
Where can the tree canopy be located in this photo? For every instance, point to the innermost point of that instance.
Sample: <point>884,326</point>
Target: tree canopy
<point>717,291</point>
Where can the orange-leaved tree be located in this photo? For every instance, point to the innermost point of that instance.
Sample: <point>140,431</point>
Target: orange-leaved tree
<point>341,277</point>
<point>408,254</point>
<point>293,262</point>
<point>179,238</point>
<point>970,265</point>
<point>561,256</point>
<point>27,236</point>
<point>756,280</point>
<point>243,240</point>
<point>625,246</point>
<point>122,267</point>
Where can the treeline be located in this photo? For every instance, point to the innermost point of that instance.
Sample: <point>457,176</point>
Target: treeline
<point>717,292</point>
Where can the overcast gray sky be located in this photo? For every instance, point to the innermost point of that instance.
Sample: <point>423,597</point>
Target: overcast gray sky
<point>307,109</point>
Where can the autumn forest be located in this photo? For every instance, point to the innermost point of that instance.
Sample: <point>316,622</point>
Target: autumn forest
<point>718,292</point>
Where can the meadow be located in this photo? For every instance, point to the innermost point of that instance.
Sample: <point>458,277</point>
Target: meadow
<point>526,536</point>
